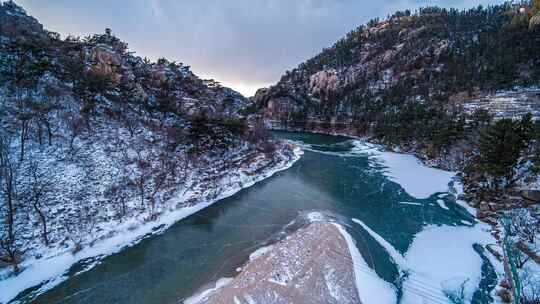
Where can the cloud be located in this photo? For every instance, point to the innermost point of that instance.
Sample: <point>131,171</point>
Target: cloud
<point>242,43</point>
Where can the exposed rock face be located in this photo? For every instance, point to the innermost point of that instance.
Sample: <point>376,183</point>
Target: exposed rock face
<point>313,265</point>
<point>105,62</point>
<point>417,82</point>
<point>534,22</point>
<point>421,59</point>
<point>323,81</point>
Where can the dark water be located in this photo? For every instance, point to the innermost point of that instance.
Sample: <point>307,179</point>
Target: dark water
<point>212,243</point>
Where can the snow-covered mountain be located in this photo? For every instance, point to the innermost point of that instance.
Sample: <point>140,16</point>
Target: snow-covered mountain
<point>94,139</point>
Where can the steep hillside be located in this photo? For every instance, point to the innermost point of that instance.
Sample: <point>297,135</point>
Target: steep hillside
<point>459,89</point>
<point>415,80</point>
<point>95,140</point>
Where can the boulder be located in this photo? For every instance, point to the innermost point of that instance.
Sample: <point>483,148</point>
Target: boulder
<point>105,55</point>
<point>531,195</point>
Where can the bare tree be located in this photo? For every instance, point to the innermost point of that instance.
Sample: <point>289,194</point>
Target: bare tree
<point>39,187</point>
<point>80,225</point>
<point>530,281</point>
<point>8,180</point>
<point>524,225</point>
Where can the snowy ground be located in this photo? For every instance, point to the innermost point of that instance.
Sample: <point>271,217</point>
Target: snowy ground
<point>416,179</point>
<point>439,260</point>
<point>508,104</point>
<point>51,269</point>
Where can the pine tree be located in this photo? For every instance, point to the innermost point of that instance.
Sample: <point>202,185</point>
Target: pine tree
<point>500,149</point>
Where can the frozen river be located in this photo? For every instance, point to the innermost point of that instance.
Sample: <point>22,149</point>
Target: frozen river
<point>403,217</point>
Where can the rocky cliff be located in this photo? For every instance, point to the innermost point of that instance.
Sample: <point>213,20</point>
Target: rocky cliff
<point>459,89</point>
<point>415,80</point>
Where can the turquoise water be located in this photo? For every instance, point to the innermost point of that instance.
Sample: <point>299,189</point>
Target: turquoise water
<point>211,244</point>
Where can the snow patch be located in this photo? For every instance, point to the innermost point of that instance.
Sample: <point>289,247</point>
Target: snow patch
<point>437,265</point>
<point>202,296</point>
<point>416,179</point>
<point>410,203</point>
<point>371,288</point>
<point>442,204</point>
<point>394,254</point>
<point>466,206</point>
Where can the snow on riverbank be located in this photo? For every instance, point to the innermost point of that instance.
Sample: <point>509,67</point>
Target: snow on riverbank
<point>371,288</point>
<point>198,298</point>
<point>417,180</point>
<point>441,259</point>
<point>52,269</point>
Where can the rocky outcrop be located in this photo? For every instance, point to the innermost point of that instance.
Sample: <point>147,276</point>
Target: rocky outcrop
<point>105,61</point>
<point>323,81</point>
<point>531,195</point>
<point>534,22</point>
<point>313,265</point>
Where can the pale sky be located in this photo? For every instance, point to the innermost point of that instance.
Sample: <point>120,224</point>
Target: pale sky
<point>245,44</point>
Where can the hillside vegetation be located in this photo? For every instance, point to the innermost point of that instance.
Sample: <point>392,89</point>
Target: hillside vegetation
<point>419,81</point>
<point>93,136</point>
<point>458,88</point>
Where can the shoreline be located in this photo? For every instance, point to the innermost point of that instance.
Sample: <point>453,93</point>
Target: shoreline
<point>380,152</point>
<point>432,163</point>
<point>51,269</point>
<point>397,172</point>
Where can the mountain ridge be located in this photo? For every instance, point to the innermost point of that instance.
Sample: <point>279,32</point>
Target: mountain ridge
<point>458,89</point>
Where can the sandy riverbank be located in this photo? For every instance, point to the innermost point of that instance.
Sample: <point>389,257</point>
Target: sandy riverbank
<point>312,265</point>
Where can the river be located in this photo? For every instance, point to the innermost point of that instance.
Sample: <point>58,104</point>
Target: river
<point>332,179</point>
